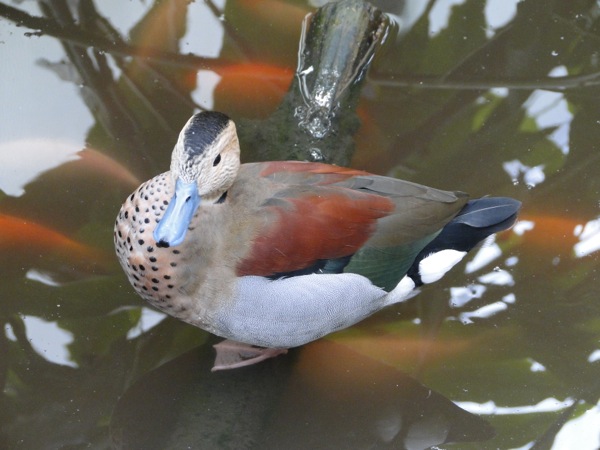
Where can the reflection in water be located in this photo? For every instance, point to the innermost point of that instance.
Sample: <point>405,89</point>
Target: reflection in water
<point>484,312</point>
<point>23,160</point>
<point>43,277</point>
<point>148,320</point>
<point>498,277</point>
<point>589,238</point>
<point>490,408</point>
<point>460,296</point>
<point>488,252</point>
<point>263,87</point>
<point>308,401</point>
<point>26,244</point>
<point>532,176</point>
<point>595,356</point>
<point>581,432</point>
<point>49,340</point>
<point>551,110</point>
<point>560,236</point>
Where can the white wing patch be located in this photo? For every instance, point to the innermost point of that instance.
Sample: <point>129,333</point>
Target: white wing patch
<point>403,291</point>
<point>436,265</point>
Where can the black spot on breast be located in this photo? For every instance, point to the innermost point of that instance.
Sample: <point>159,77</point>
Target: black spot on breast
<point>152,259</point>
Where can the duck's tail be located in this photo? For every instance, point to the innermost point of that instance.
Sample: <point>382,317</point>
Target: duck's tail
<point>477,220</point>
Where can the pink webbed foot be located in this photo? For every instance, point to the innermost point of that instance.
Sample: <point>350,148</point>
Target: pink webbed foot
<point>233,354</point>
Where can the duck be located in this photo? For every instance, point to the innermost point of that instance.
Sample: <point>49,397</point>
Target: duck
<point>273,255</point>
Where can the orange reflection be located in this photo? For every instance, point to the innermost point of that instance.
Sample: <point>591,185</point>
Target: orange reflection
<point>251,89</point>
<point>549,234</point>
<point>24,238</point>
<point>408,351</point>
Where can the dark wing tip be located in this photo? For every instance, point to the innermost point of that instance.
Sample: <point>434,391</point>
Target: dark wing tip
<point>488,211</point>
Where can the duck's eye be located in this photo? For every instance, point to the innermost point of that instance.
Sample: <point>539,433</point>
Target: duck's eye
<point>217,160</point>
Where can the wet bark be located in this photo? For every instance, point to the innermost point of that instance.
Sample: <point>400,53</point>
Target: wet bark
<point>317,119</point>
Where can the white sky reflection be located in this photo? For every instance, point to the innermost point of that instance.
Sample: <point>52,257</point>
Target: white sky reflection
<point>23,160</point>
<point>484,312</point>
<point>490,408</point>
<point>41,277</point>
<point>594,356</point>
<point>460,296</point>
<point>498,277</point>
<point>148,320</point>
<point>589,238</point>
<point>532,176</point>
<point>581,433</point>
<point>49,340</point>
<point>485,255</point>
<point>550,109</point>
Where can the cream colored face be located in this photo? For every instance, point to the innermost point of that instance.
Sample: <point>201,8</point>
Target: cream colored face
<point>212,160</point>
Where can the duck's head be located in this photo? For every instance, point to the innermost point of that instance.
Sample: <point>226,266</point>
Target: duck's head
<point>204,165</point>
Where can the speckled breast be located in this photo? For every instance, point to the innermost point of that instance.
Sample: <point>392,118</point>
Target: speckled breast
<point>151,270</point>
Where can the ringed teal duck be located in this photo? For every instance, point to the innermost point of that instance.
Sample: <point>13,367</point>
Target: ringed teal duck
<point>277,254</point>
